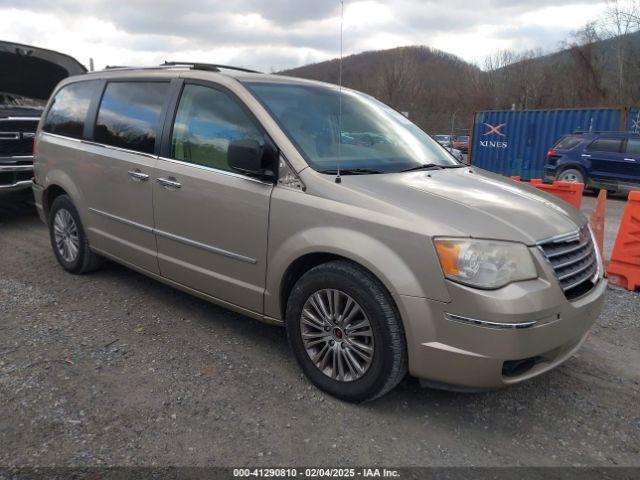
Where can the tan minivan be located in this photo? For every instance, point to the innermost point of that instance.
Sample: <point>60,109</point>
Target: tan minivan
<point>321,209</point>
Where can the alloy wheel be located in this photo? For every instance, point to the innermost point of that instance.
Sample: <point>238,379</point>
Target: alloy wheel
<point>65,233</point>
<point>337,335</point>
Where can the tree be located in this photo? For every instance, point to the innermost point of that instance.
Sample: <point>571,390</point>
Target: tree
<point>621,18</point>
<point>588,64</point>
<point>399,77</point>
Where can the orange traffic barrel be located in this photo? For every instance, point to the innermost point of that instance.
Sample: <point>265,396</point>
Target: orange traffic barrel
<point>570,192</point>
<point>624,267</point>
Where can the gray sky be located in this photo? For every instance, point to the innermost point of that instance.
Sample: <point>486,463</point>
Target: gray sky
<point>276,34</point>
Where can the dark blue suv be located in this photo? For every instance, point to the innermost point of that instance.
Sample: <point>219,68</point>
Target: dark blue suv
<point>609,160</point>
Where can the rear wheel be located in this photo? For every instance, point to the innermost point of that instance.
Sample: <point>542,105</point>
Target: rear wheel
<point>345,332</point>
<point>572,175</point>
<point>68,239</point>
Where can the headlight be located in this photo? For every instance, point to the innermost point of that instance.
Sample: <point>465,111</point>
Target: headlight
<point>484,263</point>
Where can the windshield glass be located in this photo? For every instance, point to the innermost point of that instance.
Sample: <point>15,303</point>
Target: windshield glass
<point>370,136</point>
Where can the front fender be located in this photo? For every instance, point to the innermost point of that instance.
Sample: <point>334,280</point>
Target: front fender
<point>394,271</point>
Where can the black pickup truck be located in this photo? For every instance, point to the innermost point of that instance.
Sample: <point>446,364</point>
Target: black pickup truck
<point>28,75</point>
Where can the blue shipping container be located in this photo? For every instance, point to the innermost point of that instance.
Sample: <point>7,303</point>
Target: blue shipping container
<point>516,142</point>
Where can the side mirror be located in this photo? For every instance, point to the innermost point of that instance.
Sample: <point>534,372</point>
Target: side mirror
<point>251,158</point>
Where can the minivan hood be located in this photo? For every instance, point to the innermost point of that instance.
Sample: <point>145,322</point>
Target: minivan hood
<point>471,202</point>
<point>34,72</point>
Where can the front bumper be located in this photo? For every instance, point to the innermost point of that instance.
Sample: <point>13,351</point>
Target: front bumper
<point>450,352</point>
<point>15,173</point>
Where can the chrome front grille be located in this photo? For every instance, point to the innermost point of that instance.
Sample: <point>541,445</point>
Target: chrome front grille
<point>574,260</point>
<point>16,136</point>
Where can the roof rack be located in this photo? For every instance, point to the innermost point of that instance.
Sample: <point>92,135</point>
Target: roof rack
<point>210,67</point>
<point>214,67</point>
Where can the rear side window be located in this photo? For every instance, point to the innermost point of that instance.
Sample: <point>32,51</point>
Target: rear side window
<point>206,121</point>
<point>567,143</point>
<point>69,109</point>
<point>129,115</point>
<point>633,146</point>
<point>606,145</point>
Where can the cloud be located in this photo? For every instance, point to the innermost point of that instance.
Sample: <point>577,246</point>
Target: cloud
<point>277,34</point>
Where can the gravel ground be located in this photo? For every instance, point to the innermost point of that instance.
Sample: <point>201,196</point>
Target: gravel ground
<point>116,369</point>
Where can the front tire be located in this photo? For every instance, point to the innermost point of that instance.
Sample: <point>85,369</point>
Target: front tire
<point>345,332</point>
<point>68,240</point>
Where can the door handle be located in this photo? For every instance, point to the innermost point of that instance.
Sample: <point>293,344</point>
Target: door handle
<point>585,155</point>
<point>137,176</point>
<point>630,159</point>
<point>169,183</point>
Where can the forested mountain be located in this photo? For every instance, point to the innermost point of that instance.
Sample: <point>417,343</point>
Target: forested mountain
<point>438,88</point>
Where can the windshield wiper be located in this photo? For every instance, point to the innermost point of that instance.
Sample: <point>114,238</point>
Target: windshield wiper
<point>426,166</point>
<point>433,166</point>
<point>352,171</point>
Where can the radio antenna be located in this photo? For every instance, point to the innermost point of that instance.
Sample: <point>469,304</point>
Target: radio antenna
<point>338,179</point>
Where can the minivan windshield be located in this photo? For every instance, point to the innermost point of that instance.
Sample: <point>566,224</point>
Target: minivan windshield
<point>350,131</point>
